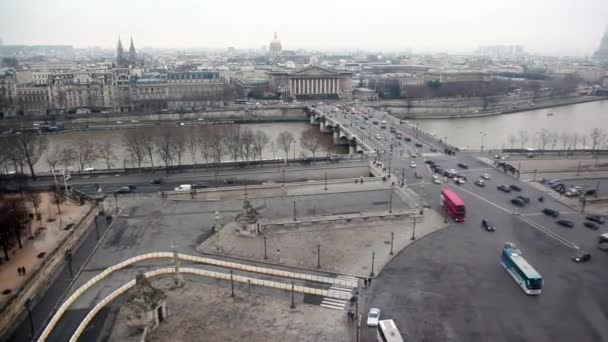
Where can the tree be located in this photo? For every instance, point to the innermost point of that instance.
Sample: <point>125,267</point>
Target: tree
<point>523,137</point>
<point>13,215</point>
<point>260,140</point>
<point>575,138</point>
<point>584,140</point>
<point>164,147</point>
<point>232,140</point>
<point>543,138</point>
<point>85,153</point>
<point>132,141</point>
<point>565,138</point>
<point>178,142</point>
<point>597,136</point>
<point>554,138</point>
<point>68,156</point>
<point>309,140</point>
<point>53,158</point>
<point>146,138</point>
<point>204,143</point>
<point>512,139</point>
<point>35,198</point>
<point>247,148</point>
<point>534,87</point>
<point>107,153</point>
<point>192,143</point>
<point>284,140</point>
<point>273,149</point>
<point>33,146</point>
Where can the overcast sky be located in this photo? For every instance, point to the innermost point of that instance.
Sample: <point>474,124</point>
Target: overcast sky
<point>556,27</point>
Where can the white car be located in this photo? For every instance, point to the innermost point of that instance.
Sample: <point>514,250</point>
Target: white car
<point>134,121</point>
<point>378,137</point>
<point>436,179</point>
<point>485,176</point>
<point>459,180</point>
<point>89,169</point>
<point>373,317</point>
<point>412,164</point>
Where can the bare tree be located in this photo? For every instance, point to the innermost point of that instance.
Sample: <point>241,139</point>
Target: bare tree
<point>68,157</point>
<point>584,140</point>
<point>512,139</point>
<point>86,153</point>
<point>554,138</point>
<point>178,141</point>
<point>164,147</point>
<point>232,141</point>
<point>132,141</point>
<point>597,136</point>
<point>192,138</point>
<point>14,152</point>
<point>204,143</point>
<point>575,138</point>
<point>107,153</point>
<point>146,138</point>
<point>260,140</point>
<point>33,146</point>
<point>523,138</point>
<point>284,141</point>
<point>544,137</point>
<point>565,138</point>
<point>35,198</point>
<point>273,149</point>
<point>309,139</point>
<point>247,147</point>
<point>53,158</point>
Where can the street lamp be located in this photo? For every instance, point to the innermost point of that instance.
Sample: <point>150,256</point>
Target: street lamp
<point>265,254</point>
<point>68,259</point>
<point>482,136</point>
<point>373,257</point>
<point>392,238</point>
<point>27,304</point>
<point>414,231</point>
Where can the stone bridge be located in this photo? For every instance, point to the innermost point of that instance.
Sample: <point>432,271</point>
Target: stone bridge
<point>328,123</point>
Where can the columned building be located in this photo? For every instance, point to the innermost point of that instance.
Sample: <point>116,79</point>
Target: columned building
<point>312,83</point>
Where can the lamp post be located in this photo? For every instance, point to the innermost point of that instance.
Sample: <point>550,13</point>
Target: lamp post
<point>390,200</point>
<point>265,254</point>
<point>27,304</point>
<point>231,283</point>
<point>96,227</point>
<point>414,231</point>
<point>325,180</point>
<point>482,137</point>
<point>392,237</point>
<point>373,257</point>
<point>68,259</point>
<point>294,210</point>
<point>293,303</point>
<point>319,255</point>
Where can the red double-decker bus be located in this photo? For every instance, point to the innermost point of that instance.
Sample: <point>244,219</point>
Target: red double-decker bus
<point>453,205</point>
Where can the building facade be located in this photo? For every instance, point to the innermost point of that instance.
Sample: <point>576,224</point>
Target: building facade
<point>312,82</point>
<point>197,89</point>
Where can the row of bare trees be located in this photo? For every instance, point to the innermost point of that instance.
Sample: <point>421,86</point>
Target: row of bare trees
<point>596,138</point>
<point>21,150</point>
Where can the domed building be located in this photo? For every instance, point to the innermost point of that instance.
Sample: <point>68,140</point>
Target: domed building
<point>275,45</point>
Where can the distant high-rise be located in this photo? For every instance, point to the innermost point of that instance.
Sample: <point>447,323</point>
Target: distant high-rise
<point>275,45</point>
<point>601,54</point>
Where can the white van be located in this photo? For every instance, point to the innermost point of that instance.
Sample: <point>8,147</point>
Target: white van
<point>184,187</point>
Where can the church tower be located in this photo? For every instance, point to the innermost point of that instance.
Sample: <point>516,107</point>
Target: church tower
<point>120,53</point>
<point>132,53</point>
<point>601,55</point>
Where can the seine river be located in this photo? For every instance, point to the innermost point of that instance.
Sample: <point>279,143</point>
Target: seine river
<point>466,132</point>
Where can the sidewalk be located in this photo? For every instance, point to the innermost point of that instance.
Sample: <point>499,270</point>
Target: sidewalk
<point>37,248</point>
<point>345,248</point>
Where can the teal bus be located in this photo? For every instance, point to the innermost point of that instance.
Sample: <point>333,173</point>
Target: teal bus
<point>530,281</point>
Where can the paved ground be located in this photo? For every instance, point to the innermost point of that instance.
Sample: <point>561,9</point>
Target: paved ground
<point>451,287</point>
<point>204,308</point>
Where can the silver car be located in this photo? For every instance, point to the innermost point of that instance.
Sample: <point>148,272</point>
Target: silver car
<point>373,317</point>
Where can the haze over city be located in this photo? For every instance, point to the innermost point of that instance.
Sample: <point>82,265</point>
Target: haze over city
<point>563,27</point>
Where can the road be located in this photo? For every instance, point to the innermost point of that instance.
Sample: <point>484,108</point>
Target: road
<point>450,286</point>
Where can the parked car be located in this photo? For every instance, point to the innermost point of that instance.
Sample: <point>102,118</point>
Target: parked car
<point>504,188</point>
<point>572,193</point>
<point>581,257</point>
<point>523,198</point>
<point>550,212</point>
<point>515,187</point>
<point>412,164</point>
<point>480,182</point>
<point>590,192</point>
<point>123,190</point>
<point>485,176</point>
<point>463,165</point>
<point>565,223</point>
<point>487,226</point>
<point>438,170</point>
<point>378,137</point>
<point>591,225</point>
<point>373,317</point>
<point>518,202</point>
<point>436,179</point>
<point>595,218</point>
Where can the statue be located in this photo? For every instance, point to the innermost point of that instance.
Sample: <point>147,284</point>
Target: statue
<point>145,305</point>
<point>248,219</point>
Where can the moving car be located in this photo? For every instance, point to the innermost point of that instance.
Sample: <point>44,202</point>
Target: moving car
<point>430,162</point>
<point>603,238</point>
<point>565,223</point>
<point>595,218</point>
<point>418,144</point>
<point>485,176</point>
<point>550,212</point>
<point>408,139</point>
<point>591,225</point>
<point>581,257</point>
<point>480,182</point>
<point>123,190</point>
<point>459,180</point>
<point>373,317</point>
<point>412,164</point>
<point>156,181</point>
<point>463,165</point>
<point>518,202</point>
<point>504,188</point>
<point>378,137</point>
<point>515,187</point>
<point>590,192</point>
<point>525,199</point>
<point>436,179</point>
<point>487,226</point>
<point>183,187</point>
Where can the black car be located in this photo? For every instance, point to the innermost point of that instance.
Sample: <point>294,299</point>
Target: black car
<point>430,162</point>
<point>487,226</point>
<point>518,202</point>
<point>198,186</point>
<point>581,257</point>
<point>565,223</point>
<point>418,144</point>
<point>504,188</point>
<point>463,165</point>
<point>524,198</point>
<point>480,183</point>
<point>595,218</point>
<point>550,212</point>
<point>591,225</point>
<point>438,170</point>
<point>432,149</point>
<point>408,139</point>
<point>590,192</point>
<point>156,181</point>
<point>123,190</point>
<point>132,187</point>
<point>515,187</point>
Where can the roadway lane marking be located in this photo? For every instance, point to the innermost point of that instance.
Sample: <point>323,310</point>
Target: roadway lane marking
<point>533,224</point>
<point>561,213</point>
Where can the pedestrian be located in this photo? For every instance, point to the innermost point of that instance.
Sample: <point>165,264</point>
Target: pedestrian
<point>365,283</point>
<point>19,271</point>
<point>369,281</point>
<point>23,270</point>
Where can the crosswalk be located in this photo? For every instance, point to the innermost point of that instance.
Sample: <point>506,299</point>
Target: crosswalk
<point>331,302</point>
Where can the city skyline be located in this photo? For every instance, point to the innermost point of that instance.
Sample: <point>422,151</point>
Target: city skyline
<point>339,25</point>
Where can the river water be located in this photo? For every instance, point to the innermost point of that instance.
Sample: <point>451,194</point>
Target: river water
<point>116,137</point>
<point>466,132</point>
